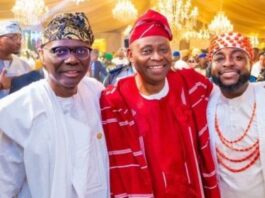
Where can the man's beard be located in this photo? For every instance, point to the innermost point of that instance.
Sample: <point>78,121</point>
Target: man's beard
<point>243,78</point>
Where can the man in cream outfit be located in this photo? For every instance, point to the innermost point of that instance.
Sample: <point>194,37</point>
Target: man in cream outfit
<point>51,140</point>
<point>236,119</point>
<point>10,64</point>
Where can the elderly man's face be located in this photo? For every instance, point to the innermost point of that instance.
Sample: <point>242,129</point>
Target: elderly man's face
<point>65,67</point>
<point>151,57</point>
<point>230,68</point>
<point>10,43</point>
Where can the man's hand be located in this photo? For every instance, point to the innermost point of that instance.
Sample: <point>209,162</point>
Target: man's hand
<point>5,82</point>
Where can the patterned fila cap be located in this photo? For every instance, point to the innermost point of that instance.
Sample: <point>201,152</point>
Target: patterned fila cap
<point>73,26</point>
<point>230,40</point>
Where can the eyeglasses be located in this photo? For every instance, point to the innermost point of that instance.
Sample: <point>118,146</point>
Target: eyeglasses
<point>64,52</point>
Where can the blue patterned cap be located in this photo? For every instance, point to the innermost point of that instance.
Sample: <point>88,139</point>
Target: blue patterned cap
<point>73,26</point>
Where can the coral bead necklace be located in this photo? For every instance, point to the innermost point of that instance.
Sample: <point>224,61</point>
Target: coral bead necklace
<point>251,151</point>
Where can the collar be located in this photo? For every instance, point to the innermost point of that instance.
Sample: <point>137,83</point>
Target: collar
<point>247,96</point>
<point>160,94</point>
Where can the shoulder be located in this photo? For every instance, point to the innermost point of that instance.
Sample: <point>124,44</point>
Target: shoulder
<point>260,86</point>
<point>197,86</point>
<point>20,101</point>
<point>216,92</point>
<point>113,93</point>
<point>20,60</point>
<point>191,77</point>
<point>91,88</point>
<point>92,84</point>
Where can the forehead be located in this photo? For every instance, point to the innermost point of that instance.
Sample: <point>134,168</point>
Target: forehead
<point>150,41</point>
<point>67,43</point>
<point>11,35</point>
<point>230,51</point>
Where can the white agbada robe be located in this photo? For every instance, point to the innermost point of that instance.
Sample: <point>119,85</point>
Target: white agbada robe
<point>53,147</point>
<point>233,116</point>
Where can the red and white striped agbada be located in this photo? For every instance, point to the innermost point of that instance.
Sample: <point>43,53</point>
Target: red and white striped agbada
<point>130,173</point>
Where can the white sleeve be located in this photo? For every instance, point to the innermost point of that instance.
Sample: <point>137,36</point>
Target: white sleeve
<point>12,171</point>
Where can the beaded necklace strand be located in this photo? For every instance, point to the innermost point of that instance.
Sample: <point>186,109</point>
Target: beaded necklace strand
<point>253,150</point>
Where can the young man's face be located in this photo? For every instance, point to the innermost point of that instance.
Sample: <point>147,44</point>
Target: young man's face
<point>151,57</point>
<point>230,68</point>
<point>65,68</point>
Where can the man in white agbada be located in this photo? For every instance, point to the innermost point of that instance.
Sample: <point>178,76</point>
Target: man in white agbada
<point>51,140</point>
<point>236,117</point>
<point>10,64</point>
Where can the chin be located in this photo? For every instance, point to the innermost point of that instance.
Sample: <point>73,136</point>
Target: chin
<point>230,87</point>
<point>70,84</point>
<point>16,53</point>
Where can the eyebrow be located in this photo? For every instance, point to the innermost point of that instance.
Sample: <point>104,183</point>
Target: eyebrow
<point>234,51</point>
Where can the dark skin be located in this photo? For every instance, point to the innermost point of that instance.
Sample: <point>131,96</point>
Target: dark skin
<point>5,82</point>
<point>151,57</point>
<point>9,44</point>
<point>64,75</point>
<point>231,67</point>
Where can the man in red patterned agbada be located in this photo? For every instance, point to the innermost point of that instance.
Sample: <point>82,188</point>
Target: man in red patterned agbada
<point>155,122</point>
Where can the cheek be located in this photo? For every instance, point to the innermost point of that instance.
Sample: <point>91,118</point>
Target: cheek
<point>244,66</point>
<point>50,65</point>
<point>139,61</point>
<point>168,57</point>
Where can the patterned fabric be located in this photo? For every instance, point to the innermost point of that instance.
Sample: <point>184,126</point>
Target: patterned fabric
<point>68,26</point>
<point>231,39</point>
<point>152,23</point>
<point>9,27</point>
<point>129,171</point>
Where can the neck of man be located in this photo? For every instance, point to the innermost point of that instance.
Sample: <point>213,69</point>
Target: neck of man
<point>235,93</point>
<point>5,56</point>
<point>146,88</point>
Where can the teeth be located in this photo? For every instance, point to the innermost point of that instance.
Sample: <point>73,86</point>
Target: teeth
<point>158,66</point>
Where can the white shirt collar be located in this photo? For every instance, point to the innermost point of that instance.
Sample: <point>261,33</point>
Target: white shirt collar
<point>247,96</point>
<point>160,94</point>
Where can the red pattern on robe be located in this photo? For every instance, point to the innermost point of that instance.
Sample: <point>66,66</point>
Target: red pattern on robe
<point>148,159</point>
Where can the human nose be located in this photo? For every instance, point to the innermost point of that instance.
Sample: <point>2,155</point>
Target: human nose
<point>228,61</point>
<point>71,58</point>
<point>156,56</point>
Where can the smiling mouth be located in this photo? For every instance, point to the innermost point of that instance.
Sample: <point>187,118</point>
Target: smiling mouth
<point>157,67</point>
<point>229,72</point>
<point>71,74</point>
